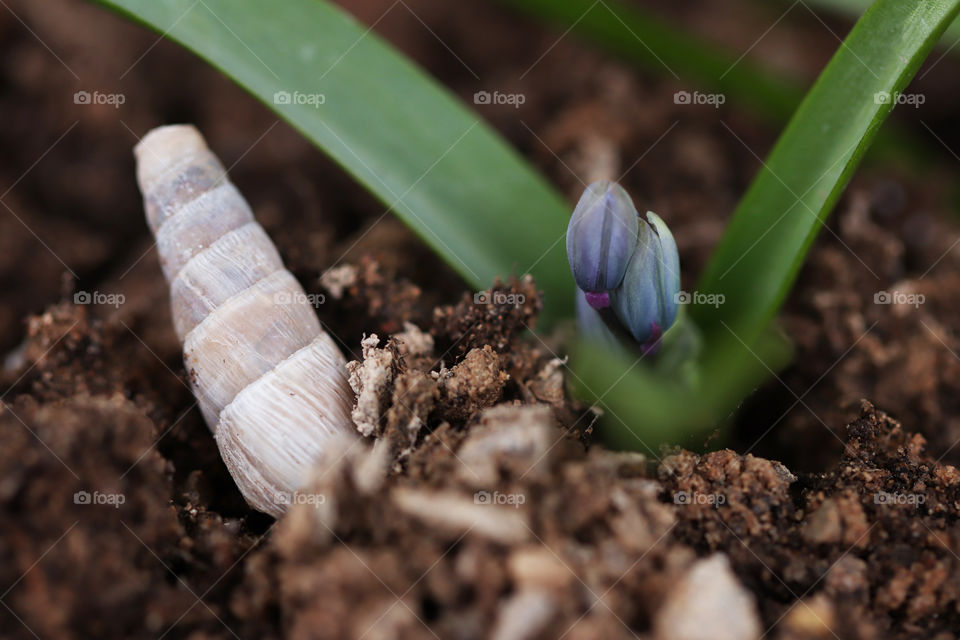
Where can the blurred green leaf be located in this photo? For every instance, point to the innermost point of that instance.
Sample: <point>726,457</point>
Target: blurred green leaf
<point>408,140</point>
<point>652,43</point>
<point>644,410</point>
<point>665,50</point>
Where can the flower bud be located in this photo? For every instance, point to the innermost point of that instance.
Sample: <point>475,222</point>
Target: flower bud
<point>646,300</point>
<point>601,239</point>
<point>627,269</point>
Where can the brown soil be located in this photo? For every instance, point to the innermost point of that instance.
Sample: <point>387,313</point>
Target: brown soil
<point>484,510</point>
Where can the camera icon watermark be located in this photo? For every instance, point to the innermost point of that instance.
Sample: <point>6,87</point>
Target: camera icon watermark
<point>882,497</point>
<point>96,297</point>
<point>298,297</point>
<point>496,98</point>
<point>297,97</point>
<point>496,498</point>
<point>111,499</point>
<point>900,298</point>
<point>96,97</point>
<point>712,99</point>
<point>688,498</point>
<point>499,298</point>
<point>897,98</point>
<point>696,297</point>
<point>289,499</point>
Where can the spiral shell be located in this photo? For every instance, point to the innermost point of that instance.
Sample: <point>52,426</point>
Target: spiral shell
<point>270,383</point>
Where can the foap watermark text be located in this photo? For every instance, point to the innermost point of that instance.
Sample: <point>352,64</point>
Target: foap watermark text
<point>111,499</point>
<point>499,298</point>
<point>97,297</point>
<point>299,498</point>
<point>695,497</point>
<point>496,98</point>
<point>497,498</point>
<point>299,97</point>
<point>897,98</point>
<point>97,97</point>
<point>882,497</point>
<point>899,297</point>
<point>297,297</point>
<point>696,297</point>
<point>712,99</point>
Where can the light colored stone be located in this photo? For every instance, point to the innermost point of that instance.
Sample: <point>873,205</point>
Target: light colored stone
<point>524,615</point>
<point>458,514</point>
<point>708,603</point>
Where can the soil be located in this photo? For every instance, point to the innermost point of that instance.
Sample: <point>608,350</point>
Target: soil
<point>486,508</point>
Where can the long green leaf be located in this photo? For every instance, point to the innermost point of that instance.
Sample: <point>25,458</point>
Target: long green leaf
<point>409,141</point>
<point>774,225</point>
<point>855,8</point>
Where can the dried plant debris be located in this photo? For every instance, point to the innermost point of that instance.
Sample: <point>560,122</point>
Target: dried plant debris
<point>399,397</point>
<point>416,347</point>
<point>370,290</point>
<point>371,381</point>
<point>414,396</point>
<point>408,396</point>
<point>488,318</point>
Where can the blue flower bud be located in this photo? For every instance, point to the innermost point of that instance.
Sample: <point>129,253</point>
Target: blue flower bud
<point>627,269</point>
<point>646,300</point>
<point>601,238</point>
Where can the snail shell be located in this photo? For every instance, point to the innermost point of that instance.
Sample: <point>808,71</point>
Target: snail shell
<point>270,383</point>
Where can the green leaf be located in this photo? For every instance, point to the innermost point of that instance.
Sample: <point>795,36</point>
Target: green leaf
<point>774,225</point>
<point>855,8</point>
<point>408,140</point>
